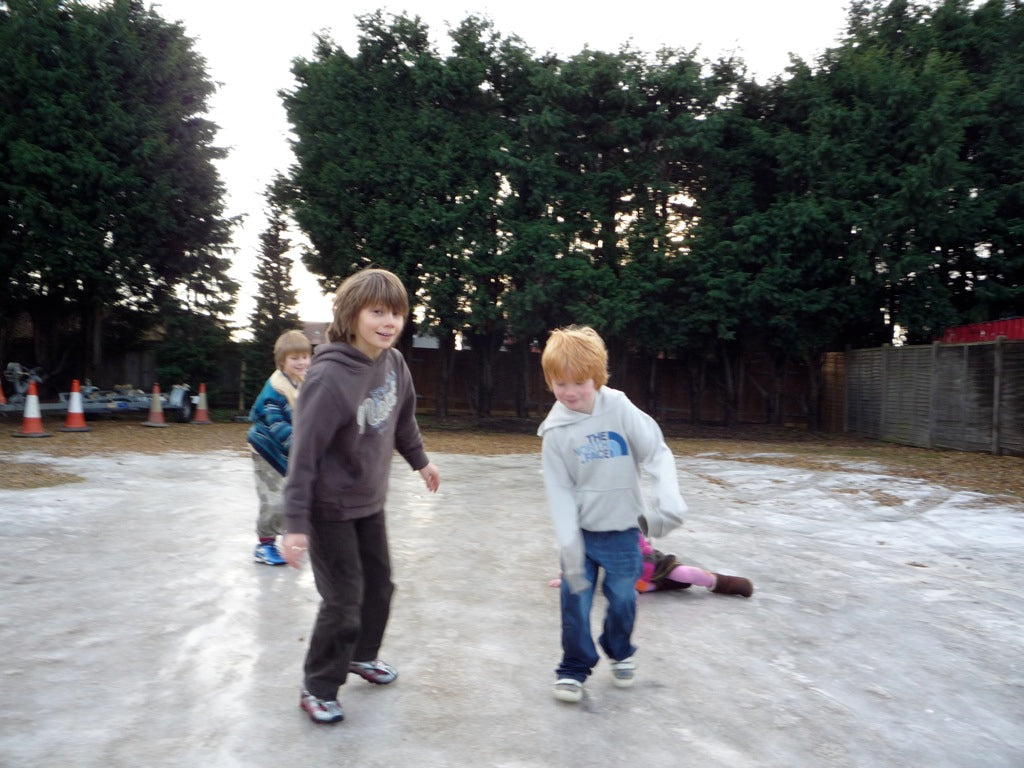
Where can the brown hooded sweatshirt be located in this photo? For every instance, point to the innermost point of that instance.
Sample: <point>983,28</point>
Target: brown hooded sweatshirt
<point>352,414</point>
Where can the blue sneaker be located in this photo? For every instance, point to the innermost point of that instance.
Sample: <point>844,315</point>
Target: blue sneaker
<point>268,554</point>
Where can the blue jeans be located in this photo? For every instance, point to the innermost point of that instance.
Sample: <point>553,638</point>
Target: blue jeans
<point>618,553</point>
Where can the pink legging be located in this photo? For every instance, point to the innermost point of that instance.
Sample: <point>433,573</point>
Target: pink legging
<point>689,574</point>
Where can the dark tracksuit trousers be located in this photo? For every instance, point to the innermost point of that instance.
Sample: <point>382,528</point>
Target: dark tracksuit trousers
<point>352,570</point>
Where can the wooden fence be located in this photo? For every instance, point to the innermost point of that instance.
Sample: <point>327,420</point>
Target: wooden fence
<point>667,389</point>
<point>967,397</point>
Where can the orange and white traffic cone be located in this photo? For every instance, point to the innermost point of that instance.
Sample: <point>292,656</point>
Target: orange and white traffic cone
<point>75,421</point>
<point>32,423</point>
<point>202,409</point>
<point>156,410</point>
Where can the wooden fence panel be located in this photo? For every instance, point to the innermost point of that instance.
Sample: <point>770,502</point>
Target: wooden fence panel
<point>1011,413</point>
<point>906,395</point>
<point>864,392</point>
<point>964,419</point>
<point>833,395</point>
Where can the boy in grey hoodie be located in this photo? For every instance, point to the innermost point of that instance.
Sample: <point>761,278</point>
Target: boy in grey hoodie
<point>595,443</point>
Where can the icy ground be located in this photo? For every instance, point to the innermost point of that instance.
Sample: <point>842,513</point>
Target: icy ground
<point>885,630</point>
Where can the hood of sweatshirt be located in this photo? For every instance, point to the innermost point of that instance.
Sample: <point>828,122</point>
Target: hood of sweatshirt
<point>344,354</point>
<point>560,416</point>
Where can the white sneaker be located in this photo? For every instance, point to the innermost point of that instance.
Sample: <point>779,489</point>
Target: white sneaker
<point>568,689</point>
<point>623,672</point>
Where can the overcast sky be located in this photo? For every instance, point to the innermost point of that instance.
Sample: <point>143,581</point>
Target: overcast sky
<point>249,46</point>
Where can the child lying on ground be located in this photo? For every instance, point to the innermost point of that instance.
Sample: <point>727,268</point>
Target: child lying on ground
<point>664,571</point>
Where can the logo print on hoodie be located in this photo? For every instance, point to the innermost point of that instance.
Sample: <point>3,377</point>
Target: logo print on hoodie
<point>379,404</point>
<point>602,445</point>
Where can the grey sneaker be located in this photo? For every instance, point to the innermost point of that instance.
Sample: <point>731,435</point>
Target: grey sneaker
<point>375,671</point>
<point>623,672</point>
<point>321,710</point>
<point>568,689</point>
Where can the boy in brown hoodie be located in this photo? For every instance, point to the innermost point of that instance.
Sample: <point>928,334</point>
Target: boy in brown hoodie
<point>357,407</point>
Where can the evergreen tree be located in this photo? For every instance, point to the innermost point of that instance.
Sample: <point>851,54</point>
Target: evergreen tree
<point>110,204</point>
<point>274,312</point>
<point>396,170</point>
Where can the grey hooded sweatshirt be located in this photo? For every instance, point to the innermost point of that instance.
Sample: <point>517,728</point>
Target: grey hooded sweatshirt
<point>592,465</point>
<point>352,414</point>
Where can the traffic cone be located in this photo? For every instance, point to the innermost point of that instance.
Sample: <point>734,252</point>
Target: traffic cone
<point>32,423</point>
<point>202,409</point>
<point>3,398</point>
<point>156,410</point>
<point>75,421</point>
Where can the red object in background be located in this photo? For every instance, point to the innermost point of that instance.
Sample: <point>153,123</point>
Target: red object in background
<point>962,334</point>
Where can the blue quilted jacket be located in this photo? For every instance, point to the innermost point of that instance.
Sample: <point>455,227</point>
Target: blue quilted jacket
<point>271,415</point>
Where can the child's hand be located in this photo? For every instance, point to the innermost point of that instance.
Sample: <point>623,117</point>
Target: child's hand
<point>294,547</point>
<point>431,476</point>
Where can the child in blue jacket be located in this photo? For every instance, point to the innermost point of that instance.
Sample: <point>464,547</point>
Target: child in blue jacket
<point>270,438</point>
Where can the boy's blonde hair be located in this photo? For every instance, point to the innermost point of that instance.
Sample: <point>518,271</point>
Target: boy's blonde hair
<point>370,287</point>
<point>290,343</point>
<point>575,353</point>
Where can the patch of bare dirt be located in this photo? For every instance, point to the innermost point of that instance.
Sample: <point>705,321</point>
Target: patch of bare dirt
<point>1001,476</point>
<point>120,434</point>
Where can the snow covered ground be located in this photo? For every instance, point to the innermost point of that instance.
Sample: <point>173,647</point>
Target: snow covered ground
<point>885,630</point>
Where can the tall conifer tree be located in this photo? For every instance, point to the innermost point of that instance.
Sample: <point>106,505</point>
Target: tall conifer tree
<point>276,298</point>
